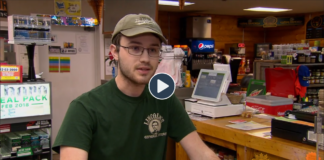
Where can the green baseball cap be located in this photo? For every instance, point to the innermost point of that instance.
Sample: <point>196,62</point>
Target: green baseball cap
<point>136,24</point>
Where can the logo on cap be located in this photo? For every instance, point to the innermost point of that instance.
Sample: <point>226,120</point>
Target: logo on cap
<point>143,20</point>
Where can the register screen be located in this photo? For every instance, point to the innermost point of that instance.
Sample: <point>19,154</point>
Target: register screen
<point>209,84</point>
<point>25,100</point>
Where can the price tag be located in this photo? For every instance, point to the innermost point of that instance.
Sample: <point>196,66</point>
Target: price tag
<point>9,73</point>
<point>4,128</point>
<point>307,52</point>
<point>26,151</point>
<point>69,51</point>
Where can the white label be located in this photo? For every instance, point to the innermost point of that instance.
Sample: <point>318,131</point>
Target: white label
<point>212,74</point>
<point>69,51</point>
<point>311,136</point>
<point>4,130</point>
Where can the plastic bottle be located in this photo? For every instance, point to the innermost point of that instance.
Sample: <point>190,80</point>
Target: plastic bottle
<point>113,72</point>
<point>188,79</point>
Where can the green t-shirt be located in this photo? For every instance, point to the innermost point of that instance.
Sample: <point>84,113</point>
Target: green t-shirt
<point>111,125</point>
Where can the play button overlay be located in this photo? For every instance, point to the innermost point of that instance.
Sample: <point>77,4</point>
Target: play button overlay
<point>161,86</point>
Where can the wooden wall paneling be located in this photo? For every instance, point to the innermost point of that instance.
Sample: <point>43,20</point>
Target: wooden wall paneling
<point>170,26</point>
<point>113,13</point>
<point>224,30</point>
<point>291,34</point>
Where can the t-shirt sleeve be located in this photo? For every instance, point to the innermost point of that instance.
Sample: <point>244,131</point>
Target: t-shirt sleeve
<point>76,129</point>
<point>180,125</point>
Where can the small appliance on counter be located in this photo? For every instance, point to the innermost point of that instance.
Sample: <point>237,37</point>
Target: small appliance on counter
<point>294,130</point>
<point>209,95</point>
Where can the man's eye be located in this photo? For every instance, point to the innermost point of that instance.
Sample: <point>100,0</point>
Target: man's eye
<point>153,50</point>
<point>136,49</point>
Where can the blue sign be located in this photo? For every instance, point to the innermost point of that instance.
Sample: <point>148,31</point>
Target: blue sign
<point>202,46</point>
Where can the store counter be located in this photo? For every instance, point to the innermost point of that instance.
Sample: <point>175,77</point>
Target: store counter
<point>247,144</point>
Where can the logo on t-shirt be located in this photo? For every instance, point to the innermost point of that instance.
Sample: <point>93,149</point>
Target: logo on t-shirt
<point>154,122</point>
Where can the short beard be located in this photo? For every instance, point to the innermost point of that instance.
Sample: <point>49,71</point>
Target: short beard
<point>127,75</point>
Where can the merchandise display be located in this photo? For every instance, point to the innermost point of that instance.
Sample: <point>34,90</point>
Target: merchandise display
<point>25,126</point>
<point>29,29</point>
<point>70,21</point>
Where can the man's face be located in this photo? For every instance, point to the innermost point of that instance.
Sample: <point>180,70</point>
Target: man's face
<point>155,125</point>
<point>137,69</point>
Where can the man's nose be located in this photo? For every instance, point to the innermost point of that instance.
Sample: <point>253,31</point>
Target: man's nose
<point>145,56</point>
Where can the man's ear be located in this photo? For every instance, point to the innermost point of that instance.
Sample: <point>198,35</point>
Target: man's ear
<point>114,51</point>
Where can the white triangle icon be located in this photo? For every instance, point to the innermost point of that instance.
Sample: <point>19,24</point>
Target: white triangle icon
<point>161,86</point>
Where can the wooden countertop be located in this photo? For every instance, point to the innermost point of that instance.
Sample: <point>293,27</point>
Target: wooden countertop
<point>253,139</point>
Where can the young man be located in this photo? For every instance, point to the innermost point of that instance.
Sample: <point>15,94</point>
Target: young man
<point>120,119</point>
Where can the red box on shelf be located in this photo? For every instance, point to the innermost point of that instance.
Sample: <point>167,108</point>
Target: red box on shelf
<point>272,105</point>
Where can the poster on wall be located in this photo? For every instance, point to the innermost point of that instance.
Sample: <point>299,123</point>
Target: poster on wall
<point>3,8</point>
<point>82,43</point>
<point>64,64</point>
<point>54,64</point>
<point>315,27</point>
<point>67,7</point>
<point>25,100</point>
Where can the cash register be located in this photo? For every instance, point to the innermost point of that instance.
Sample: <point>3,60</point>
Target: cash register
<point>209,96</point>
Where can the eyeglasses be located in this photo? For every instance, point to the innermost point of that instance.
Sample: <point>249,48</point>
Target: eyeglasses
<point>138,51</point>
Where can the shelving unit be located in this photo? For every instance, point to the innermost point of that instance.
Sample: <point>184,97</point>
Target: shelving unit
<point>316,86</point>
<point>259,67</point>
<point>295,65</point>
<point>26,109</point>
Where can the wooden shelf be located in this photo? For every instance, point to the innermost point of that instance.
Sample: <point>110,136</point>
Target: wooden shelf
<point>295,65</point>
<point>315,85</point>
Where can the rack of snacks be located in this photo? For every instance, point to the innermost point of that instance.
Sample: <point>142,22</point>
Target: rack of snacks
<point>29,31</point>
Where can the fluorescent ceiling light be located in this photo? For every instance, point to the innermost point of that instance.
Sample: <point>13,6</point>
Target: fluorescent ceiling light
<point>173,3</point>
<point>265,9</point>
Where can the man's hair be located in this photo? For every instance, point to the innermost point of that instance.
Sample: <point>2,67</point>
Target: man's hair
<point>116,41</point>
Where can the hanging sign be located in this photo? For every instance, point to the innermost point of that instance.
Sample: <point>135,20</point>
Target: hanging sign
<point>10,73</point>
<point>3,8</point>
<point>270,21</point>
<point>315,27</point>
<point>67,7</point>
